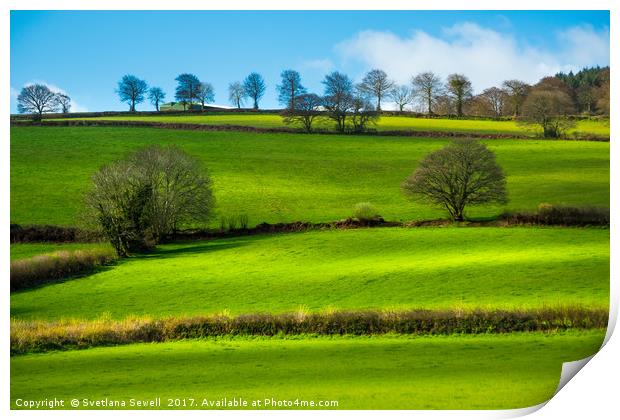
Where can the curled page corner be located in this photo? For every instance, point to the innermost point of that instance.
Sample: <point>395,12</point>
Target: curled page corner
<point>569,370</point>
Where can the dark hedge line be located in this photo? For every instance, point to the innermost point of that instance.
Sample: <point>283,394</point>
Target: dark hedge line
<point>41,336</point>
<point>51,233</point>
<point>548,214</point>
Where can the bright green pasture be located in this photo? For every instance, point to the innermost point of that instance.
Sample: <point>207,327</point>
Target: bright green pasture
<point>374,268</point>
<point>386,123</point>
<point>27,250</point>
<point>289,177</point>
<point>386,372</point>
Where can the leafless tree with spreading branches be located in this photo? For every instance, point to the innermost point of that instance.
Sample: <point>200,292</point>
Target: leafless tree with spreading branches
<point>462,173</point>
<point>37,100</point>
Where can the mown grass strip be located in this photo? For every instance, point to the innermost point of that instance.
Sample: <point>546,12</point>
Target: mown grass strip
<point>399,132</point>
<point>41,336</point>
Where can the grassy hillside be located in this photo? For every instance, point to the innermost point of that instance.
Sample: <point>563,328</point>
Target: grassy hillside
<point>351,269</point>
<point>386,123</point>
<point>399,372</point>
<point>288,177</point>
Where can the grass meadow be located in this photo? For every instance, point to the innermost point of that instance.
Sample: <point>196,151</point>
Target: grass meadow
<point>282,177</point>
<point>348,269</point>
<point>386,123</point>
<point>384,372</point>
<point>291,177</point>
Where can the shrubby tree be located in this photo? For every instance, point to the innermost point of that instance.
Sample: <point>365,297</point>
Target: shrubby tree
<point>131,90</point>
<point>337,99</point>
<point>462,173</point>
<point>517,92</point>
<point>548,109</point>
<point>443,105</point>
<point>290,88</point>
<point>187,90</point>
<point>306,111</point>
<point>236,94</point>
<point>205,94</point>
<point>402,95</point>
<point>495,100</point>
<point>254,87</point>
<point>377,84</point>
<point>156,96</point>
<point>362,111</point>
<point>36,99</point>
<point>459,88</point>
<point>138,201</point>
<point>427,87</point>
<point>64,102</point>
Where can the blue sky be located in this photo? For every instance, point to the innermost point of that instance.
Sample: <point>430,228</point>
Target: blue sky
<point>85,53</point>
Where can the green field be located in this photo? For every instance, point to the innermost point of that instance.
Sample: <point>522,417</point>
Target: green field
<point>389,372</point>
<point>386,123</point>
<point>290,177</point>
<point>351,269</point>
<point>27,250</point>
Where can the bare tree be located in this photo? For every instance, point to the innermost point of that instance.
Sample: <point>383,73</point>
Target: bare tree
<point>131,90</point>
<point>236,94</point>
<point>402,95</point>
<point>363,112</point>
<point>205,94</point>
<point>517,91</point>
<point>290,88</point>
<point>462,173</point>
<point>338,96</point>
<point>495,100</point>
<point>36,100</point>
<point>427,87</point>
<point>139,200</point>
<point>156,96</point>
<point>254,87</point>
<point>64,101</point>
<point>459,88</point>
<point>188,87</point>
<point>306,111</point>
<point>548,109</point>
<point>377,84</point>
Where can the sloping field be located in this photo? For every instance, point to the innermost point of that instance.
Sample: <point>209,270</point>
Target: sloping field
<point>351,269</point>
<point>386,123</point>
<point>290,177</point>
<point>387,372</point>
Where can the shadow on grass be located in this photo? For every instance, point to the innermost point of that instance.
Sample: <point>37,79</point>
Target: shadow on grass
<point>53,282</point>
<point>177,249</point>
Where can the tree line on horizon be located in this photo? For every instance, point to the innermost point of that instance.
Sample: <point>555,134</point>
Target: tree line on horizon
<point>353,106</point>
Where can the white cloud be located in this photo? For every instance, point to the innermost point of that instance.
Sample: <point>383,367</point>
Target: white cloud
<point>584,46</point>
<point>486,56</point>
<point>75,106</point>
